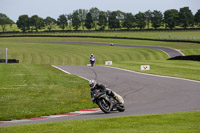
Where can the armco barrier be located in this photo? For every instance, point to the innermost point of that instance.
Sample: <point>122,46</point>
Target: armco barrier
<point>9,61</point>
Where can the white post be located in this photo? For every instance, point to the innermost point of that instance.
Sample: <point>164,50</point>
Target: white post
<point>6,56</point>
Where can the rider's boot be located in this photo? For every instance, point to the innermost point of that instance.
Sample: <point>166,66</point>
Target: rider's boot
<point>117,99</point>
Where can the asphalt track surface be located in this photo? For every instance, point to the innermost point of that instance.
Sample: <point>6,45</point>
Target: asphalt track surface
<point>169,51</point>
<point>143,93</point>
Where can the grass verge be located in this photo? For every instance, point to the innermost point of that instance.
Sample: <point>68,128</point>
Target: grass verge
<point>181,69</point>
<point>37,90</point>
<point>187,122</point>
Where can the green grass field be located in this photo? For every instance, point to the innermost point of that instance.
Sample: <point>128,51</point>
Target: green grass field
<point>33,87</point>
<point>36,90</point>
<point>162,123</point>
<point>75,54</point>
<point>34,75</point>
<point>165,35</point>
<point>187,48</point>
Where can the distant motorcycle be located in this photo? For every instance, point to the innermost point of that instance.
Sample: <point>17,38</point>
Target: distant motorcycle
<point>106,103</point>
<point>92,60</point>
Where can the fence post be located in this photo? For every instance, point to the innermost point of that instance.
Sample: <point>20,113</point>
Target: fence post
<point>6,56</point>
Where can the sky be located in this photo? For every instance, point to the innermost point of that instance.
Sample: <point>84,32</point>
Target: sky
<point>54,8</point>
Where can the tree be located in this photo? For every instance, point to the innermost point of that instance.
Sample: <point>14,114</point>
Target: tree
<point>128,21</point>
<point>82,16</point>
<point>113,21</point>
<point>108,13</point>
<point>120,17</point>
<point>69,18</point>
<point>157,19</point>
<point>197,18</point>
<point>171,18</point>
<point>62,21</point>
<point>140,20</point>
<point>148,16</point>
<point>95,16</point>
<point>23,23</point>
<point>88,21</point>
<point>4,21</point>
<point>186,17</point>
<point>75,20</point>
<point>36,22</point>
<point>102,20</point>
<point>50,22</point>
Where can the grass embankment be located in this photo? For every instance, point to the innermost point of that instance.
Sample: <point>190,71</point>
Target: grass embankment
<point>163,35</point>
<point>163,123</point>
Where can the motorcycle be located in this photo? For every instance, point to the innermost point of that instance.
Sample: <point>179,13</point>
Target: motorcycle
<point>106,103</point>
<point>92,61</point>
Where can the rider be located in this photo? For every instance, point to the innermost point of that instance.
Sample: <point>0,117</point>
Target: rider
<point>92,59</point>
<point>103,88</point>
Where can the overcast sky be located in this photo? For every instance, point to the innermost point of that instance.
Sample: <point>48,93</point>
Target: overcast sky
<point>53,8</point>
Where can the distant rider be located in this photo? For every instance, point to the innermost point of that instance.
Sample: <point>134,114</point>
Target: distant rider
<point>92,59</point>
<point>103,88</point>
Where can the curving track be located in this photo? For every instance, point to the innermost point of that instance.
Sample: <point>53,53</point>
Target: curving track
<point>169,51</point>
<point>143,93</point>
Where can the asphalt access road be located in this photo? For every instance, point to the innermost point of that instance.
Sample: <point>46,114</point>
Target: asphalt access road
<point>171,52</point>
<point>143,93</point>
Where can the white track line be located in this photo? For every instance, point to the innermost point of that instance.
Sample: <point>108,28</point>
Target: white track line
<point>68,72</point>
<point>61,69</point>
<point>135,72</point>
<point>153,74</point>
<point>164,52</point>
<point>180,52</point>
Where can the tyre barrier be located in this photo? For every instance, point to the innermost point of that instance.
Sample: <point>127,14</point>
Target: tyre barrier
<point>189,57</point>
<point>9,61</point>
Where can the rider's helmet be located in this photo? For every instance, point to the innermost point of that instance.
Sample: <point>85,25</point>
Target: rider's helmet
<point>92,55</point>
<point>92,83</point>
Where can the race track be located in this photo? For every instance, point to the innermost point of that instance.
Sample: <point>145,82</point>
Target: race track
<point>143,93</point>
<point>169,51</point>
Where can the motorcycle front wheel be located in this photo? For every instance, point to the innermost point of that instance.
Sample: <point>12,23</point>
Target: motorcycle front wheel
<point>104,105</point>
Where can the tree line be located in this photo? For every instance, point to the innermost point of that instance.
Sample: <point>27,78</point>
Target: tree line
<point>99,20</point>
